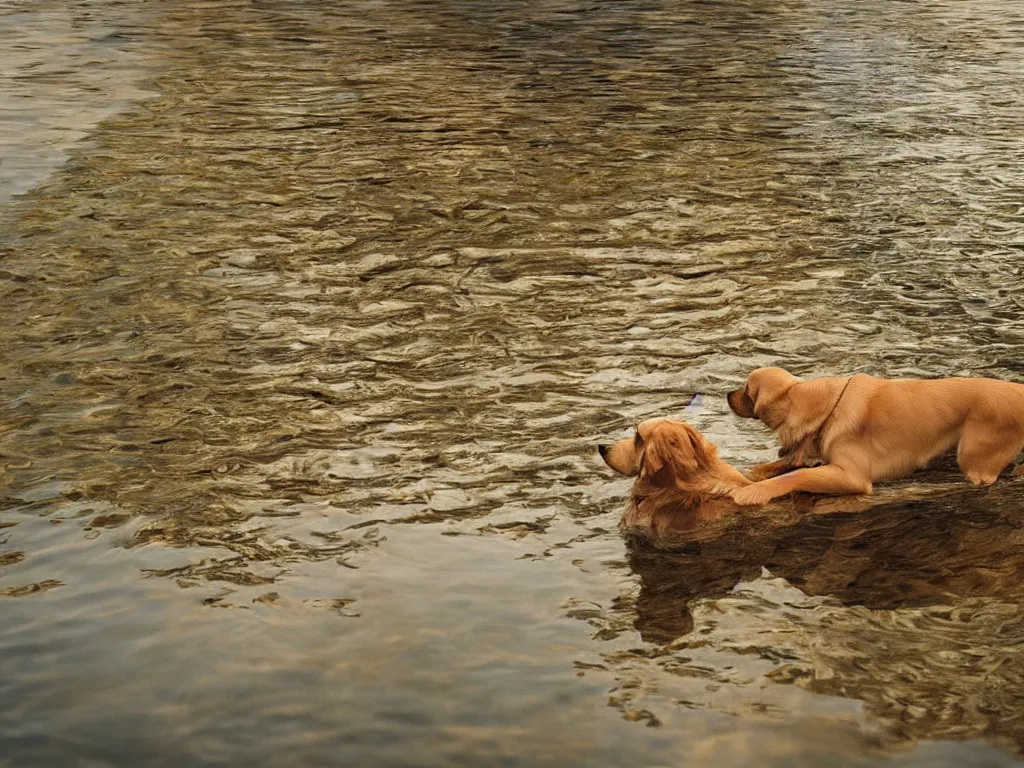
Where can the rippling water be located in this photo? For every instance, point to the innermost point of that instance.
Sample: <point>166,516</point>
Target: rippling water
<point>308,347</point>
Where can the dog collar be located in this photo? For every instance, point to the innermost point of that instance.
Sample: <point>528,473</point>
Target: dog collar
<point>818,433</point>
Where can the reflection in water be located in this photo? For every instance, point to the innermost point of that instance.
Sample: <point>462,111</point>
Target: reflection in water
<point>306,356</point>
<point>891,555</point>
<point>955,560</point>
<point>65,69</point>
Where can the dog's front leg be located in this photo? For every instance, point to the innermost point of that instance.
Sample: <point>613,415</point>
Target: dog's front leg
<point>770,469</point>
<point>802,454</point>
<point>830,478</point>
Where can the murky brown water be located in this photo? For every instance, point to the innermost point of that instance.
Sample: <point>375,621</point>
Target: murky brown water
<point>306,353</point>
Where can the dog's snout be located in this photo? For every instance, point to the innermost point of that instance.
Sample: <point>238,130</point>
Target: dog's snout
<point>603,450</point>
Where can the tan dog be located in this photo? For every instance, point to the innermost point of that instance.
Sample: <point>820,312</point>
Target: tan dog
<point>677,470</point>
<point>862,429</point>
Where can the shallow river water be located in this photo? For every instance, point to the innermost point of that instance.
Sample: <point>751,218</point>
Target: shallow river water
<point>309,342</point>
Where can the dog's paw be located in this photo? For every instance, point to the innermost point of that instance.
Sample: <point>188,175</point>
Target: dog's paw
<point>751,496</point>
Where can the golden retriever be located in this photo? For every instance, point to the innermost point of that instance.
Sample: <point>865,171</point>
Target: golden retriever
<point>678,471</point>
<point>840,435</point>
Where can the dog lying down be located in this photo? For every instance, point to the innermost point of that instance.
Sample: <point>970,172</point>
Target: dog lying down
<point>841,435</point>
<point>678,473</point>
<point>682,490</point>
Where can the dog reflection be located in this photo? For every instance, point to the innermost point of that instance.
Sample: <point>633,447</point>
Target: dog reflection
<point>892,555</point>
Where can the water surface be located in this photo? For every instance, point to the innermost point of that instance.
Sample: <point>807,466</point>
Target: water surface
<point>307,351</point>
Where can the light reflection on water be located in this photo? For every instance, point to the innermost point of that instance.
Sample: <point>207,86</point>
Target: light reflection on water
<point>66,67</point>
<point>307,353</point>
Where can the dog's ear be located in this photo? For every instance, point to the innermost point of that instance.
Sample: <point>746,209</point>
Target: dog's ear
<point>654,464</point>
<point>675,452</point>
<point>763,396</point>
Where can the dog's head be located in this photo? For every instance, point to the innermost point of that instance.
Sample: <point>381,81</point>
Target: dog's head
<point>763,396</point>
<point>663,452</point>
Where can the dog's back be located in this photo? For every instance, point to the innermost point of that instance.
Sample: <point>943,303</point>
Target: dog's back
<point>905,423</point>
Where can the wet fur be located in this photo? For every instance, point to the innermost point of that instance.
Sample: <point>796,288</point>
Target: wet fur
<point>840,435</point>
<point>677,472</point>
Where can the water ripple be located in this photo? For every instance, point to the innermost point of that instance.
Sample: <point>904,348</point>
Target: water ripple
<point>321,333</point>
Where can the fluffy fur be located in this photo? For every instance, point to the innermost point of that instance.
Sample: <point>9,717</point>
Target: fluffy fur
<point>840,435</point>
<point>677,470</point>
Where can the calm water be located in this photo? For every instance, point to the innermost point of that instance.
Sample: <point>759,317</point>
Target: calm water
<point>309,342</point>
